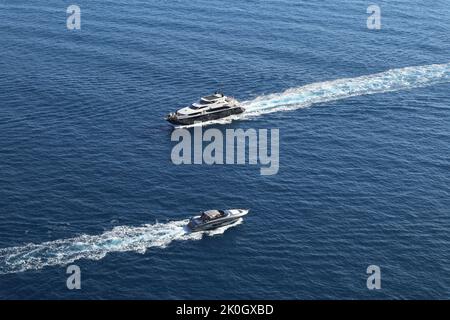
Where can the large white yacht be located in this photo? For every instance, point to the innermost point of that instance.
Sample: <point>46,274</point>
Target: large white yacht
<point>212,107</point>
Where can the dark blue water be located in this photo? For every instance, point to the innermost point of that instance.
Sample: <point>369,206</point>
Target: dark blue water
<point>86,175</point>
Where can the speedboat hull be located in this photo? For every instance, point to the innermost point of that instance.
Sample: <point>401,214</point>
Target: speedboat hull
<point>209,116</point>
<point>198,224</point>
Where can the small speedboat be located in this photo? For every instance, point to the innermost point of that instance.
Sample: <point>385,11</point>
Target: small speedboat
<point>213,219</point>
<point>212,107</point>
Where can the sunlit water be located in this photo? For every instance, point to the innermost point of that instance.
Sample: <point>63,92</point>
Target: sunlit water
<point>85,170</point>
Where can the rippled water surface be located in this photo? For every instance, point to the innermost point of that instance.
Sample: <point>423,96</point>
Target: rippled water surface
<point>85,170</point>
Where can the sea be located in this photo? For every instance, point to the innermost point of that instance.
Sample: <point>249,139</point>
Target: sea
<point>87,178</point>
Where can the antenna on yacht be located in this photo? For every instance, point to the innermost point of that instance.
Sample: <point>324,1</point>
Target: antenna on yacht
<point>219,91</point>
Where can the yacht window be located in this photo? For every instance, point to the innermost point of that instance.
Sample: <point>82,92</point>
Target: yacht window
<point>221,108</point>
<point>196,107</point>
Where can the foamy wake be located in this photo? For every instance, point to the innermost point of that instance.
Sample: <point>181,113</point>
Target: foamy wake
<point>301,97</point>
<point>95,247</point>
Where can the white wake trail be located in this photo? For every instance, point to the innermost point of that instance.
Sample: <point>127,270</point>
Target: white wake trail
<point>308,95</point>
<point>388,81</point>
<point>95,247</point>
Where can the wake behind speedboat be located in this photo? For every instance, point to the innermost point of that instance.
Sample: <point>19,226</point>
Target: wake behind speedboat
<point>212,107</point>
<point>213,219</point>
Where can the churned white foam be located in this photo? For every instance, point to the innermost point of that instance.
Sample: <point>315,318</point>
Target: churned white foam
<point>95,247</point>
<point>308,95</point>
<point>388,81</point>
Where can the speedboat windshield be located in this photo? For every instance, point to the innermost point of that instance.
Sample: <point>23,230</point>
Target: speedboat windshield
<point>212,214</point>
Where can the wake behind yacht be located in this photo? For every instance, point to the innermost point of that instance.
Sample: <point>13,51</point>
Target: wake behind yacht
<point>212,107</point>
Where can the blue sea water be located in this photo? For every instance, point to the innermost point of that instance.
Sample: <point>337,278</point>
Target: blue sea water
<point>85,170</point>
